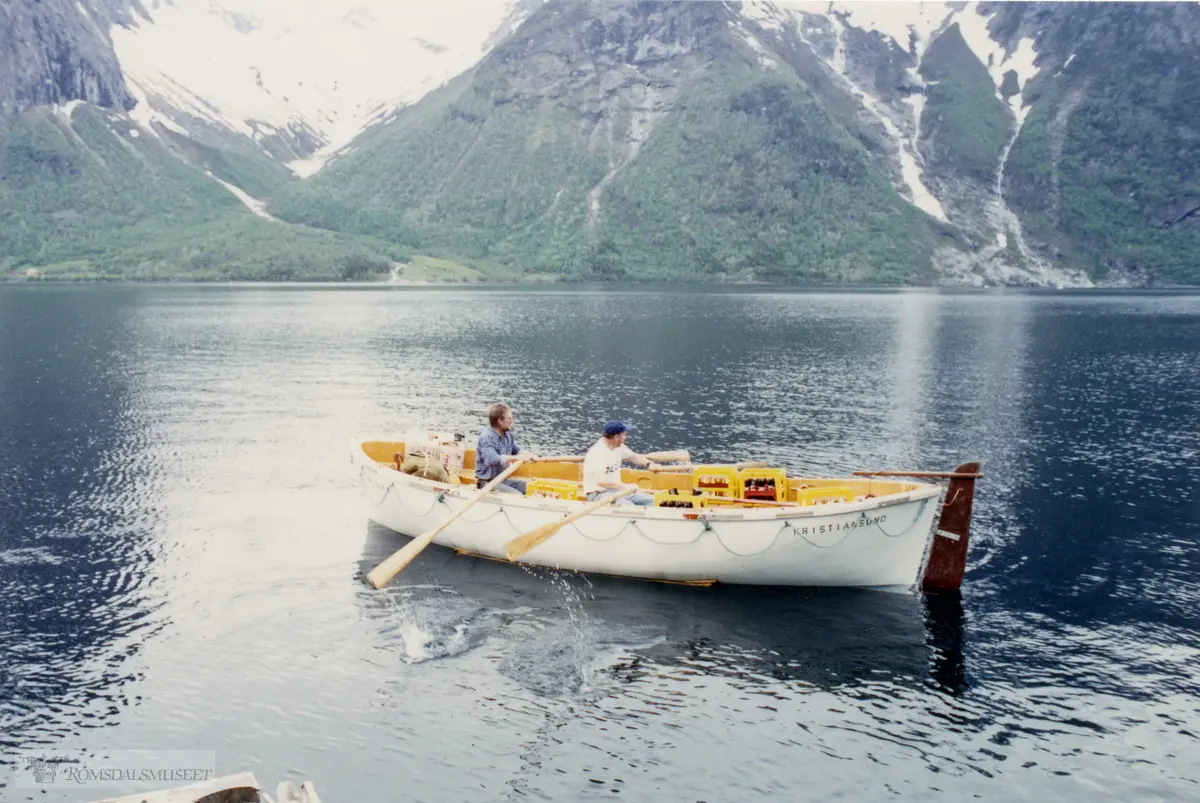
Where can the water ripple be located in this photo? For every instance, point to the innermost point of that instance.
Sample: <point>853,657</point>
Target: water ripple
<point>182,549</point>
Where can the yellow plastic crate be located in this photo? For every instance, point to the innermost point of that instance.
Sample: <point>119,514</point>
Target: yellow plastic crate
<point>553,489</point>
<point>716,480</point>
<point>763,484</point>
<point>685,500</point>
<point>824,495</point>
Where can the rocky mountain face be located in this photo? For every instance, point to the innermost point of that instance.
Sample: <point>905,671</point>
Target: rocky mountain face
<point>52,53</point>
<point>960,143</point>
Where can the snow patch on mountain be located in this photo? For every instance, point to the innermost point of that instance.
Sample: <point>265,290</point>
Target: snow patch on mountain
<point>256,206</point>
<point>906,29</point>
<point>993,55</point>
<point>329,67</point>
<point>764,58</point>
<point>910,25</point>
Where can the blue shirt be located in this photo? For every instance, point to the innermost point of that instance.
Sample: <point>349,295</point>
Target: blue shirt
<point>490,452</point>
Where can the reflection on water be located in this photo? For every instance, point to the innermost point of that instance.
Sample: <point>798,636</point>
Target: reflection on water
<point>820,637</point>
<point>77,514</point>
<point>182,547</point>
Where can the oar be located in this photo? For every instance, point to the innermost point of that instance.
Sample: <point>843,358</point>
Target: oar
<point>523,543</point>
<point>658,457</point>
<point>382,574</point>
<point>691,466</point>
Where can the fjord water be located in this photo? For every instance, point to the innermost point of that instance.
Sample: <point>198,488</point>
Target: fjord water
<point>182,544</point>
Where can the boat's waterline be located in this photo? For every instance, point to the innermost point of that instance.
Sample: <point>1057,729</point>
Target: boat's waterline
<point>882,542</point>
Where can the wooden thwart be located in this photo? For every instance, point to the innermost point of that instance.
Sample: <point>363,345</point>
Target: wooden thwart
<point>694,466</point>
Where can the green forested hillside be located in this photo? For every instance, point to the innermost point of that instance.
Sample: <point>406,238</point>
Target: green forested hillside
<point>1107,167</point>
<point>964,126</point>
<point>89,199</point>
<point>746,173</point>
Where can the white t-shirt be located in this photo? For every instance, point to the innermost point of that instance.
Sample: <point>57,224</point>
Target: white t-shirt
<point>602,464</point>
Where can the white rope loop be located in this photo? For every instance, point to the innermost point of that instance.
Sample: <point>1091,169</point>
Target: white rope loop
<point>905,531</point>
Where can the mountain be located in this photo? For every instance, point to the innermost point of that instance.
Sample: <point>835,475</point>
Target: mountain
<point>299,81</point>
<point>1006,143</point>
<point>54,54</point>
<point>954,143</point>
<point>645,140</point>
<point>138,140</point>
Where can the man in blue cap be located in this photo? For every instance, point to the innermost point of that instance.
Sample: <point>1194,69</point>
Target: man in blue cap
<point>602,466</point>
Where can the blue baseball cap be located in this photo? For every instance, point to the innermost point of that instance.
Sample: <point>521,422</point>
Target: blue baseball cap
<point>614,428</point>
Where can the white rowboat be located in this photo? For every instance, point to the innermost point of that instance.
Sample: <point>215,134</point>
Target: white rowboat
<point>880,535</point>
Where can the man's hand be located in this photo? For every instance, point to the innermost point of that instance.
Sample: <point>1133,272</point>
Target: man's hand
<point>631,486</point>
<point>652,466</point>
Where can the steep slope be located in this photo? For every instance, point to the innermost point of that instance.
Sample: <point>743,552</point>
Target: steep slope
<point>652,140</point>
<point>1105,171</point>
<point>302,80</point>
<point>978,143</point>
<point>51,52</point>
<point>83,193</point>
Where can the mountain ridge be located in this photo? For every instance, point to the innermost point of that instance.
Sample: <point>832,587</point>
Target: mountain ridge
<point>940,143</point>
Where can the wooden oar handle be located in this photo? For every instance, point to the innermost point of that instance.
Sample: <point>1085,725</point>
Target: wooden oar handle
<point>949,475</point>
<point>658,457</point>
<point>691,466</point>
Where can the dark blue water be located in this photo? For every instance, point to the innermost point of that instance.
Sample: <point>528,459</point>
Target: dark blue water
<point>182,544</point>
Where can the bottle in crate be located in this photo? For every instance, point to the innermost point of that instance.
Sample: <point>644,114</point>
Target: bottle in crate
<point>673,498</point>
<point>763,484</point>
<point>716,480</point>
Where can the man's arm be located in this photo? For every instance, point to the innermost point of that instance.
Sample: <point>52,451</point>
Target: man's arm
<point>637,460</point>
<point>642,461</point>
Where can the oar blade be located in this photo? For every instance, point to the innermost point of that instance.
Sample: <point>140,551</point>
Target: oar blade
<point>523,543</point>
<point>382,574</point>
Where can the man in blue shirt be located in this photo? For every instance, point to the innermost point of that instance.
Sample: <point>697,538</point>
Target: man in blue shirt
<point>497,448</point>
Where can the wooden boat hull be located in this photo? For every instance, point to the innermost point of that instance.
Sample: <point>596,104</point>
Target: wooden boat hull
<point>875,543</point>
